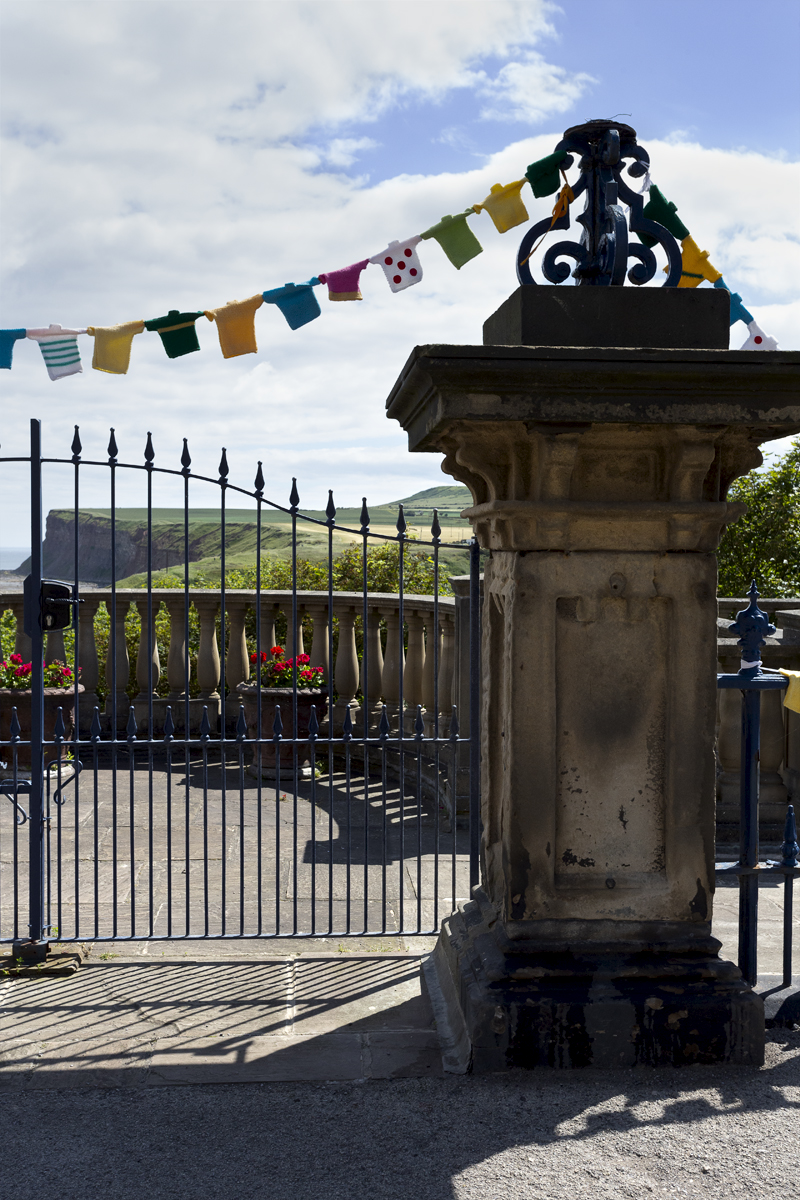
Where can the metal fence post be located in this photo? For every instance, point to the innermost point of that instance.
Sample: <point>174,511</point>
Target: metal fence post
<point>36,868</point>
<point>474,713</point>
<point>748,834</point>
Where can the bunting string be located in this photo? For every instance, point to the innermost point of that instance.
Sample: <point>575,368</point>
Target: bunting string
<point>402,268</point>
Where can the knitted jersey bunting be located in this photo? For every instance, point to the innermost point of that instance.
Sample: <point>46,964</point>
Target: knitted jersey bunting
<point>112,346</point>
<point>177,332</point>
<point>236,326</point>
<point>456,238</point>
<point>296,301</point>
<point>59,349</point>
<point>7,339</point>
<point>400,263</point>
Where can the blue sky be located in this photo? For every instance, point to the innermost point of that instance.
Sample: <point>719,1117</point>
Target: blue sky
<point>723,72</point>
<point>182,153</point>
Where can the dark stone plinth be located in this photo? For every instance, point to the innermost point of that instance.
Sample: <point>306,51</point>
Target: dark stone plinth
<point>565,1001</point>
<point>640,318</point>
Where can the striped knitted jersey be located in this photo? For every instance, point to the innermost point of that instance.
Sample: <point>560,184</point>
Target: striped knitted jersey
<point>59,349</point>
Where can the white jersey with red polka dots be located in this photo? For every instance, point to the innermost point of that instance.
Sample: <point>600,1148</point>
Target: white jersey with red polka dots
<point>758,340</point>
<point>400,263</point>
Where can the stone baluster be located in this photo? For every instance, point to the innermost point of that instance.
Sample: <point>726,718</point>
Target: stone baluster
<point>237,663</point>
<point>393,664</point>
<point>22,643</point>
<point>288,646</point>
<point>772,790</point>
<point>55,650</point>
<point>428,678</point>
<point>793,753</point>
<point>177,660</point>
<point>88,663</point>
<point>269,611</point>
<point>117,656</point>
<point>320,649</point>
<point>446,665</point>
<point>345,671</point>
<point>414,668</point>
<point>208,658</point>
<point>374,680</point>
<point>148,665</point>
<point>177,657</point>
<point>772,794</point>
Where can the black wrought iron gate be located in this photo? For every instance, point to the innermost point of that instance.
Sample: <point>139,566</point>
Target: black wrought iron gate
<point>205,805</point>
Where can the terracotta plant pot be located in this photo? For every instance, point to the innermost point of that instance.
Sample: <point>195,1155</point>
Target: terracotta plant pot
<point>270,697</point>
<point>54,698</point>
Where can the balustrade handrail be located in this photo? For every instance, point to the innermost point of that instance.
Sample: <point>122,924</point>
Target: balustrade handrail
<point>419,665</point>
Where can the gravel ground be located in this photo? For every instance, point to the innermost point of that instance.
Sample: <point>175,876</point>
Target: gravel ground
<point>698,1132</point>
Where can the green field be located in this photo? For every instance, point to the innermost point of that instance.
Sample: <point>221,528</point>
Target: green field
<point>241,533</point>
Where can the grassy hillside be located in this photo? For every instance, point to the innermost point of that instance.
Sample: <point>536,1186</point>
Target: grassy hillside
<point>241,533</point>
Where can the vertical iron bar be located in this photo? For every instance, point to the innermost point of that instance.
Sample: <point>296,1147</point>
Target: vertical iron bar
<point>365,697</point>
<point>36,876</point>
<point>474,714</point>
<point>223,472</point>
<point>748,846</point>
<point>331,521</point>
<point>76,448</point>
<point>257,755</point>
<point>187,749</point>
<point>148,454</point>
<point>112,465</point>
<point>788,900</point>
<point>293,502</point>
<point>401,528</point>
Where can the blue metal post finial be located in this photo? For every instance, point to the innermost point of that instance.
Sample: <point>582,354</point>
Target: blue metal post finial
<point>754,627</point>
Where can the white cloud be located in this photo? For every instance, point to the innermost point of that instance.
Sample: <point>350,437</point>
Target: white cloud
<point>529,89</point>
<point>343,152</point>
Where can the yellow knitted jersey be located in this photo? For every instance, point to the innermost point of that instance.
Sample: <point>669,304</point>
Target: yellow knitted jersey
<point>236,326</point>
<point>504,205</point>
<point>112,346</point>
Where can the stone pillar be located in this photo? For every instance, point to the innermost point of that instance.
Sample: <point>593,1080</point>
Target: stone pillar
<point>599,480</point>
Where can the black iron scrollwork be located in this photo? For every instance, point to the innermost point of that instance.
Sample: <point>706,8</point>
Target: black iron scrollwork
<point>601,257</point>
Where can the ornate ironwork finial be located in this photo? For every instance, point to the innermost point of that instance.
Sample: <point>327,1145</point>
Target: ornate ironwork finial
<point>601,256</point>
<point>790,851</point>
<point>753,627</point>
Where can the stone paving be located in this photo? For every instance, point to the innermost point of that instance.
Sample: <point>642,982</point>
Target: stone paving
<point>202,851</point>
<point>226,1010</point>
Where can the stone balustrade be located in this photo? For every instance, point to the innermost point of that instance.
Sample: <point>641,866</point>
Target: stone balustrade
<point>395,665</point>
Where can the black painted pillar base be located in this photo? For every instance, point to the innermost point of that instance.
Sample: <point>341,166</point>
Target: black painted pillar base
<point>658,996</point>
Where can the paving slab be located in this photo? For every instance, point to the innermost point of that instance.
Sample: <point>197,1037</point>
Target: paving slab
<point>145,1020</point>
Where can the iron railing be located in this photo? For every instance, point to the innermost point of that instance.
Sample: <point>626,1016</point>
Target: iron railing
<point>753,626</point>
<point>300,822</point>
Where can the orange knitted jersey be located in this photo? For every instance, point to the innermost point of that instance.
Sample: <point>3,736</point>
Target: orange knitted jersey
<point>236,326</point>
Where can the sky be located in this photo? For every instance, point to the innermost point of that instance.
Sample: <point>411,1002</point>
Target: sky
<point>179,154</point>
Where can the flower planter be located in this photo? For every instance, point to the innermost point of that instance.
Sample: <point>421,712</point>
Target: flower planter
<point>54,698</point>
<point>270,697</point>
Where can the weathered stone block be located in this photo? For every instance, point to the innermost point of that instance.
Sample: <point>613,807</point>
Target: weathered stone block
<point>551,315</point>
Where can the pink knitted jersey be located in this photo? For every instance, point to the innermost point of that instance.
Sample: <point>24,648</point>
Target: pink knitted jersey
<point>343,284</point>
